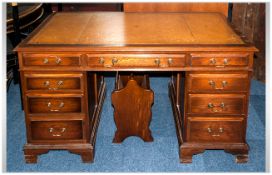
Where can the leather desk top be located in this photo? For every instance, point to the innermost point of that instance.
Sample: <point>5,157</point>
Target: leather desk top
<point>118,30</point>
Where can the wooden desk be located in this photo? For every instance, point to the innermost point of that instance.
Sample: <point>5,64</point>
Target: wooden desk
<point>63,88</point>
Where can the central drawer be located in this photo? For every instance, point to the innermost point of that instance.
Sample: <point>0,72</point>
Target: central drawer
<point>204,129</point>
<point>137,60</point>
<point>217,104</point>
<point>54,104</point>
<point>56,130</point>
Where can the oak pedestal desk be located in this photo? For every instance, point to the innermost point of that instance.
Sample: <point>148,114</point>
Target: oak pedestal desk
<point>63,60</point>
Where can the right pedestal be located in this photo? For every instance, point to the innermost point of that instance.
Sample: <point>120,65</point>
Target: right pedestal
<point>210,112</point>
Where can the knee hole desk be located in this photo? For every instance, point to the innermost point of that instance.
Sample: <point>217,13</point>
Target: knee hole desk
<point>61,66</point>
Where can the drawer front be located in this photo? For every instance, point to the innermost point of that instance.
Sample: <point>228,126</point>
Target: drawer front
<point>55,105</point>
<point>56,130</point>
<point>51,60</point>
<point>203,129</point>
<point>219,60</point>
<point>216,104</point>
<point>217,82</point>
<point>53,82</point>
<point>126,61</point>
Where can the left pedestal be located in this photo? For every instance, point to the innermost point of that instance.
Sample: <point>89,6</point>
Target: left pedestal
<point>62,112</point>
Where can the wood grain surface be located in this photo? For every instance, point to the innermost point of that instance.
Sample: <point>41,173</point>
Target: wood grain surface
<point>132,108</point>
<point>211,68</point>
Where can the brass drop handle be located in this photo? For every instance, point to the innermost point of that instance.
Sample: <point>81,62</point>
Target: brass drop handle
<point>170,61</point>
<point>101,60</point>
<point>59,84</point>
<point>45,61</point>
<point>214,107</point>
<point>157,61</point>
<point>211,105</point>
<point>212,61</point>
<point>114,61</point>
<point>213,133</point>
<point>49,105</point>
<point>57,132</point>
<point>47,83</point>
<point>58,60</point>
<point>213,84</point>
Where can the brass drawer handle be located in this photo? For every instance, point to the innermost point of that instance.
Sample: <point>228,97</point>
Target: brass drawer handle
<point>213,61</point>
<point>113,62</point>
<point>49,105</point>
<point>213,85</point>
<point>157,61</point>
<point>211,105</point>
<point>58,60</point>
<point>57,132</point>
<point>214,108</point>
<point>214,133</point>
<point>47,83</point>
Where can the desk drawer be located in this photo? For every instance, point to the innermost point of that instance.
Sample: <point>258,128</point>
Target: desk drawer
<point>217,104</point>
<point>203,129</point>
<point>54,82</point>
<point>55,105</point>
<point>56,130</point>
<point>217,82</point>
<point>219,59</point>
<point>51,60</point>
<point>126,61</point>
